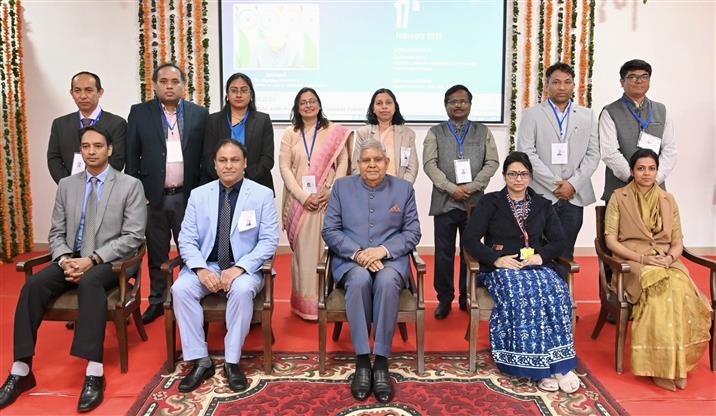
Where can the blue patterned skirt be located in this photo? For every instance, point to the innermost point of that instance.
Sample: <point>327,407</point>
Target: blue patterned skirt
<point>531,324</point>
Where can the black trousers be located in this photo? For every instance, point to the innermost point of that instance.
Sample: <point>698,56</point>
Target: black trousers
<point>446,227</point>
<point>163,223</point>
<point>570,216</point>
<point>41,288</point>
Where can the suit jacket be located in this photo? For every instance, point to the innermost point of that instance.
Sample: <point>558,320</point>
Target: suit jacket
<point>492,219</point>
<point>403,136</point>
<point>119,225</point>
<point>359,217</point>
<point>251,248</point>
<point>65,142</point>
<point>539,129</point>
<point>259,143</point>
<point>147,147</point>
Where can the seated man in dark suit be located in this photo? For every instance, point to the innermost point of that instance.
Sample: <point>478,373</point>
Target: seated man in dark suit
<point>372,226</point>
<point>63,151</point>
<point>88,232</point>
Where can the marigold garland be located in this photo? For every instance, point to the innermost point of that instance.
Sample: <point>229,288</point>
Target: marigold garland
<point>567,32</point>
<point>592,7</point>
<point>582,90</point>
<point>528,54</point>
<point>16,231</point>
<point>174,31</point>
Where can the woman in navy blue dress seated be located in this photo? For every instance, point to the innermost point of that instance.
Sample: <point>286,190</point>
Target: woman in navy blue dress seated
<point>531,323</point>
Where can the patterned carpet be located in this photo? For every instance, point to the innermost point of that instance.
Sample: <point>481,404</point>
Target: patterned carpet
<point>296,388</point>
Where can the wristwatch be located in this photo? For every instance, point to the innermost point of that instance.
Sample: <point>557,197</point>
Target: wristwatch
<point>95,259</point>
<point>62,259</point>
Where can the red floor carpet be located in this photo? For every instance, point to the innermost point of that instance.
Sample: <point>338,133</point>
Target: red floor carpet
<point>60,376</point>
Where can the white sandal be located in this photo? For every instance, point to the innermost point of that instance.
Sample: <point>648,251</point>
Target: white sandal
<point>548,384</point>
<point>568,383</point>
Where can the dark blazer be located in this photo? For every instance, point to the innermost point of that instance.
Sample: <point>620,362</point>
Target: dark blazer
<point>259,143</point>
<point>147,147</point>
<point>492,219</point>
<point>65,142</point>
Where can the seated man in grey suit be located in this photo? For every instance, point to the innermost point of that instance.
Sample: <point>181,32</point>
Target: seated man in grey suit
<point>371,226</point>
<point>88,232</point>
<point>560,138</point>
<point>230,229</point>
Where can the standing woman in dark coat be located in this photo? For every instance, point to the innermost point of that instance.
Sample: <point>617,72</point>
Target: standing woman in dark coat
<point>240,121</point>
<point>531,323</point>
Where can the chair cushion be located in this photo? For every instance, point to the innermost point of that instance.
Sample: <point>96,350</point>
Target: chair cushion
<point>217,302</point>
<point>337,300</point>
<point>68,300</point>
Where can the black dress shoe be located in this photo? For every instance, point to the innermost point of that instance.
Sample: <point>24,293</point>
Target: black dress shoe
<point>153,312</point>
<point>360,386</point>
<point>443,310</point>
<point>14,386</point>
<point>196,376</point>
<point>92,394</point>
<point>382,386</point>
<point>463,304</point>
<point>70,324</point>
<point>236,377</point>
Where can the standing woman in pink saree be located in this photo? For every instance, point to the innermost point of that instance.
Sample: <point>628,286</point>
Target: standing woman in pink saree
<point>314,153</point>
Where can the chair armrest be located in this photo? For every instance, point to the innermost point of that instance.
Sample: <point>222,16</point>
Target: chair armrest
<point>266,270</point>
<point>618,269</point>
<point>473,268</point>
<point>421,268</point>
<point>573,268</point>
<point>168,269</point>
<point>120,268</point>
<point>321,269</point>
<point>709,264</point>
<point>27,265</point>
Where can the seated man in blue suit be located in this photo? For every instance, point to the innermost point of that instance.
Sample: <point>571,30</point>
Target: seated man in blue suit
<point>230,229</point>
<point>372,226</point>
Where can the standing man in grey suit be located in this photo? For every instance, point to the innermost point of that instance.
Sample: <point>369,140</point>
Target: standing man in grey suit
<point>459,157</point>
<point>99,217</point>
<point>63,151</point>
<point>165,138</point>
<point>372,225</point>
<point>631,122</point>
<point>560,138</point>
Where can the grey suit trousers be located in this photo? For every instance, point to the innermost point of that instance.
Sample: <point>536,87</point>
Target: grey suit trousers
<point>372,297</point>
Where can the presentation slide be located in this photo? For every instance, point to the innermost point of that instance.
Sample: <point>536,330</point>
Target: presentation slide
<point>348,49</point>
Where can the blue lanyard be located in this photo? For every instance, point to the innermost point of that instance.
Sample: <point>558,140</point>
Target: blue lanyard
<point>93,121</point>
<point>560,122</point>
<point>644,124</point>
<point>243,120</point>
<point>180,109</point>
<point>460,140</point>
<point>305,144</point>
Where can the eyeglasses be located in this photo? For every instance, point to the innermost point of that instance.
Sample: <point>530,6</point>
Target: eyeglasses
<point>458,102</point>
<point>635,78</point>
<point>243,91</point>
<point>304,103</point>
<point>515,175</point>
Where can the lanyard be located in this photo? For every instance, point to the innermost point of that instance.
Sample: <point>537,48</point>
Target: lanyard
<point>644,124</point>
<point>243,120</point>
<point>520,221</point>
<point>93,121</point>
<point>180,108</point>
<point>560,122</point>
<point>460,140</point>
<point>305,144</point>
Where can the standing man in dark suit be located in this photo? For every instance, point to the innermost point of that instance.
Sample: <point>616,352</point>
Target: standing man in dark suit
<point>99,217</point>
<point>63,151</point>
<point>164,148</point>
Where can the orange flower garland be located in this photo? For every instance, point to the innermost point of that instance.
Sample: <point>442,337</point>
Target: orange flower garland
<point>182,39</point>
<point>199,53</point>
<point>13,133</point>
<point>163,30</point>
<point>147,50</point>
<point>567,32</point>
<point>582,91</point>
<point>27,198</point>
<point>528,55</point>
<point>6,238</point>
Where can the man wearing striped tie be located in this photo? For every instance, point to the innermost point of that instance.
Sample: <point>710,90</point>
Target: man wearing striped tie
<point>87,234</point>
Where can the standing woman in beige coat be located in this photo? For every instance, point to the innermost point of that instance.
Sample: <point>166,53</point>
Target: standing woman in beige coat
<point>387,125</point>
<point>314,153</point>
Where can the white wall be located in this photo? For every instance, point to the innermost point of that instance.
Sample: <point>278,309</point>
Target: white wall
<point>677,38</point>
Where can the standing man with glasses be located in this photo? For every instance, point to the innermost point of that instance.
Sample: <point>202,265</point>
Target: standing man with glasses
<point>63,151</point>
<point>165,139</point>
<point>631,122</point>
<point>560,139</point>
<point>459,157</point>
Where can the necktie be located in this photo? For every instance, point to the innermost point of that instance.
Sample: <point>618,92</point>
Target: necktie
<point>88,233</point>
<point>225,257</point>
<point>86,122</point>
